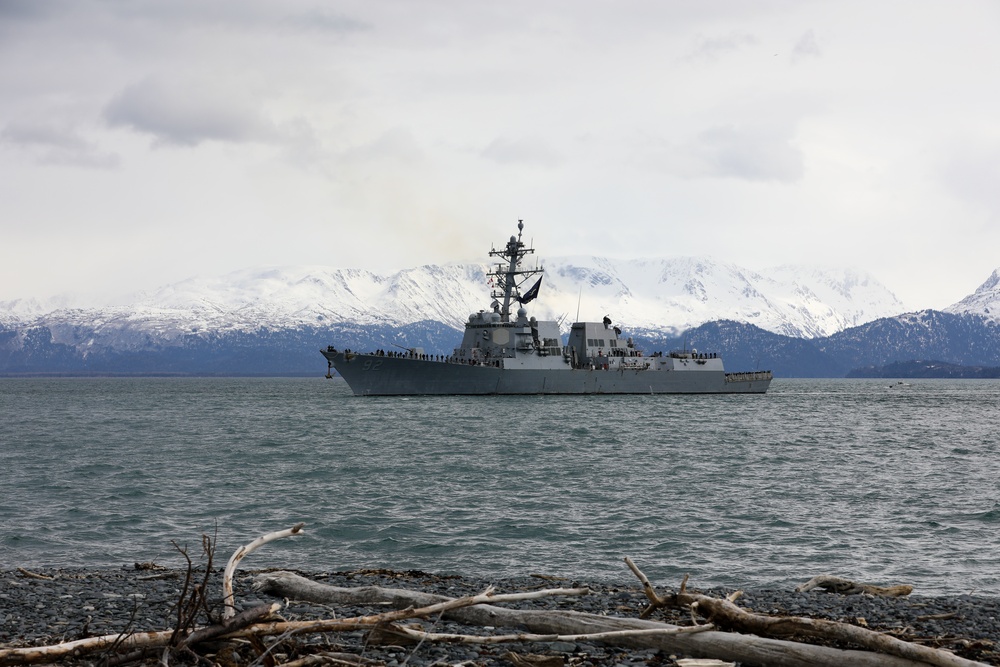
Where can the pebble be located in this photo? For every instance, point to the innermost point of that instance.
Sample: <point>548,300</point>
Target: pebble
<point>82,602</point>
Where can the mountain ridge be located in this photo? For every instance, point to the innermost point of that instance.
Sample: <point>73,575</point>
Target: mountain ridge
<point>984,301</point>
<point>669,294</point>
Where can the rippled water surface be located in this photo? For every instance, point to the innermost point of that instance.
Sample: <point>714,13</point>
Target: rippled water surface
<point>891,484</point>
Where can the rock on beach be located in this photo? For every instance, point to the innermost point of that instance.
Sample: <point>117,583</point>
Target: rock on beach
<point>71,604</point>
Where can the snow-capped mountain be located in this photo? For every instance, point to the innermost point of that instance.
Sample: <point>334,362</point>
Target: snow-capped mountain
<point>668,295</point>
<point>984,301</point>
<point>672,295</point>
<point>796,321</point>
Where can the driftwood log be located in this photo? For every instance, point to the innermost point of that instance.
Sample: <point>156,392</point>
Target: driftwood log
<point>747,649</point>
<point>254,623</point>
<point>848,587</point>
<point>131,641</point>
<point>726,614</point>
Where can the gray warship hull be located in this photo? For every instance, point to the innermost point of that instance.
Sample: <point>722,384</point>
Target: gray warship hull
<point>374,375</point>
<point>504,351</point>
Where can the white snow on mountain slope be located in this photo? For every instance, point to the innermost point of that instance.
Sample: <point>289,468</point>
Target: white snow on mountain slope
<point>665,294</point>
<point>312,295</point>
<point>835,299</point>
<point>984,301</point>
<point>677,294</point>
<point>21,310</point>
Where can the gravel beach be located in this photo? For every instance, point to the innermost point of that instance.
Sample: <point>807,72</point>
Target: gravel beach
<point>70,604</point>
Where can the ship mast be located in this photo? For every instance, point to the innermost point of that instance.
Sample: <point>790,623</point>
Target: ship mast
<point>508,275</point>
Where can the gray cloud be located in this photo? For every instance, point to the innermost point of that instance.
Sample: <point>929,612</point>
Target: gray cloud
<point>251,15</point>
<point>321,20</point>
<point>27,9</point>
<point>54,144</point>
<point>711,49</point>
<point>806,47</point>
<point>186,114</point>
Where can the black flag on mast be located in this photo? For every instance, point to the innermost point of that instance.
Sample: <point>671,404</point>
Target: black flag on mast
<point>531,293</point>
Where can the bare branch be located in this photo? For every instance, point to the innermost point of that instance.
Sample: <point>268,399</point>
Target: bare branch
<point>240,554</point>
<point>529,637</point>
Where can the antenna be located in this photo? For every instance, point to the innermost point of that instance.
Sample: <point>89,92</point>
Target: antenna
<point>578,299</point>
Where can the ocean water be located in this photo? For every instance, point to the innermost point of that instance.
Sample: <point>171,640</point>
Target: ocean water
<point>857,478</point>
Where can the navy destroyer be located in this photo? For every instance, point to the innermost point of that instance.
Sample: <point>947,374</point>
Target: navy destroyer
<point>504,351</point>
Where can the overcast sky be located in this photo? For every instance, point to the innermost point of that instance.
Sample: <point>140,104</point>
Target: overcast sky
<point>145,142</point>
